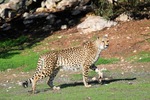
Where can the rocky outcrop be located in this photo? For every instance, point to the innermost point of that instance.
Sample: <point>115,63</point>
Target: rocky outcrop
<point>59,5</point>
<point>14,8</point>
<point>23,16</point>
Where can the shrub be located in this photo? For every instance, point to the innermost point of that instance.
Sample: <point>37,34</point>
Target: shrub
<point>136,8</point>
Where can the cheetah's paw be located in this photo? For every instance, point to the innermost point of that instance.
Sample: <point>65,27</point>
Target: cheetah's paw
<point>88,86</point>
<point>56,88</point>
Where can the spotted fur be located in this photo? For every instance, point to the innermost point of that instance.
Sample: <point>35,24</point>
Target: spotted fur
<point>82,57</point>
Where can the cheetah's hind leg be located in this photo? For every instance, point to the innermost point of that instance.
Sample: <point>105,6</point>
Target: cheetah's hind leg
<point>85,76</point>
<point>51,78</point>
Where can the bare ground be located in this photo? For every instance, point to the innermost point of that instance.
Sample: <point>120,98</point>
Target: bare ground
<point>126,39</point>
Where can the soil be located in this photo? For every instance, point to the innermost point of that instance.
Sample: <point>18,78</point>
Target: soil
<point>126,39</point>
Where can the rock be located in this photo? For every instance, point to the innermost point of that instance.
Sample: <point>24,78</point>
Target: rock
<point>5,9</point>
<point>71,22</point>
<point>130,83</point>
<point>8,70</point>
<point>88,98</point>
<point>14,75</point>
<point>13,8</point>
<point>11,14</point>
<point>27,22</point>
<point>5,27</point>
<point>80,9</point>
<point>110,1</point>
<point>50,4</point>
<point>76,12</point>
<point>47,27</point>
<point>19,83</point>
<point>60,5</point>
<point>66,4</point>
<point>94,23</point>
<point>123,17</point>
<point>51,19</point>
<point>23,13</point>
<point>58,22</point>
<point>64,27</point>
<point>26,14</point>
<point>36,16</point>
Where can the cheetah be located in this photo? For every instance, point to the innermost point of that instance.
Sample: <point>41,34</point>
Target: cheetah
<point>83,57</point>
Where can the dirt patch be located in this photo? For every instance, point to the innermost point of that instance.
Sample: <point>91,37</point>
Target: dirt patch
<point>127,38</point>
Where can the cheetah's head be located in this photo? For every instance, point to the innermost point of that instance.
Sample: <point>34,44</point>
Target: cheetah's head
<point>103,42</point>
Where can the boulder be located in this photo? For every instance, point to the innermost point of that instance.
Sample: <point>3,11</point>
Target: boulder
<point>124,17</point>
<point>94,23</point>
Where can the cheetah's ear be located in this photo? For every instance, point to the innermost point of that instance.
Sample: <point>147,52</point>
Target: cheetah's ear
<point>105,36</point>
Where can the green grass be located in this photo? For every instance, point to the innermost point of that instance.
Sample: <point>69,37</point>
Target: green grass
<point>75,77</point>
<point>140,57</point>
<point>106,61</point>
<point>27,59</point>
<point>15,59</point>
<point>114,91</point>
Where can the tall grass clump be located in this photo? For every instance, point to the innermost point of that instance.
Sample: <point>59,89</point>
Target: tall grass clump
<point>103,8</point>
<point>9,44</point>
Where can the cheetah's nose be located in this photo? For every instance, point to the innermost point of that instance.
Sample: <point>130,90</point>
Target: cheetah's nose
<point>107,45</point>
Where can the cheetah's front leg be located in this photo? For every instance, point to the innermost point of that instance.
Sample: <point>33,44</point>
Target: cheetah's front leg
<point>51,78</point>
<point>35,79</point>
<point>85,76</point>
<point>100,73</point>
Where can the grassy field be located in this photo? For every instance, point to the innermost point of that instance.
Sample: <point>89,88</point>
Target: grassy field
<point>121,88</point>
<point>129,89</point>
<point>112,91</point>
<point>130,82</point>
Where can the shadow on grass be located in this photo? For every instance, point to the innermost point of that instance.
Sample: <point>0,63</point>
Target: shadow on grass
<point>115,80</point>
<point>90,82</point>
<point>96,82</point>
<point>22,33</point>
<point>6,55</point>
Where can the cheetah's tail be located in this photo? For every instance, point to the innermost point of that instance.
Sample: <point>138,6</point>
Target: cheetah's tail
<point>26,83</point>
